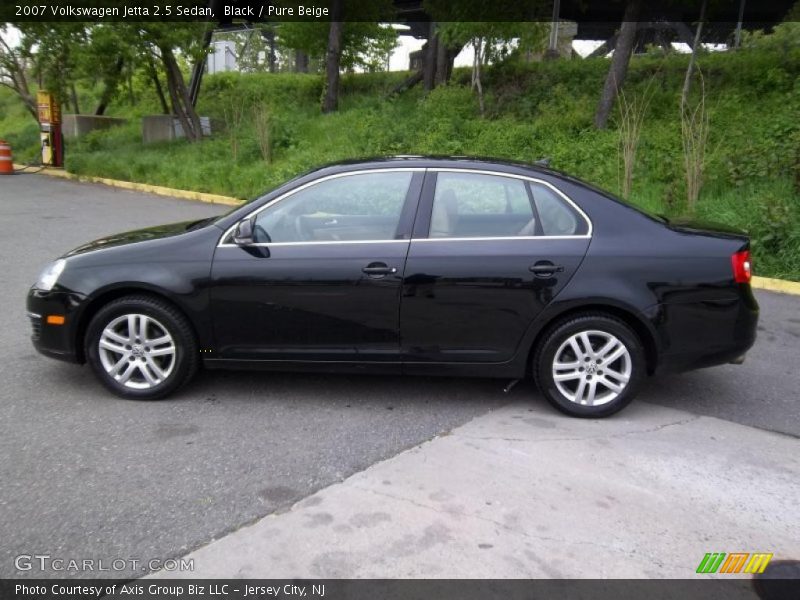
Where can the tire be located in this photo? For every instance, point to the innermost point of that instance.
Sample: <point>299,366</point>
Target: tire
<point>585,386</point>
<point>141,348</point>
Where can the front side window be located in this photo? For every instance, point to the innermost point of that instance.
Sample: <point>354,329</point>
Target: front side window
<point>365,206</point>
<point>478,205</point>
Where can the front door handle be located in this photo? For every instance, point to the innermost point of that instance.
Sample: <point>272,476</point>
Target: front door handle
<point>545,268</point>
<point>378,269</point>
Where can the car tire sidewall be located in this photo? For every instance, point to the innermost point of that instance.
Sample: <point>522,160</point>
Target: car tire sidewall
<point>176,325</point>
<point>546,354</point>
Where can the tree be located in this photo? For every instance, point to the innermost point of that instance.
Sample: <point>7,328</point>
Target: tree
<point>695,128</point>
<point>429,57</point>
<point>57,55</point>
<point>300,62</point>
<point>152,73</point>
<point>632,112</point>
<point>60,54</point>
<point>687,81</point>
<point>343,43</point>
<point>364,44</point>
<point>164,42</point>
<point>330,97</point>
<point>102,58</point>
<point>15,70</point>
<point>618,68</point>
<point>255,49</point>
<point>490,28</point>
<point>492,41</point>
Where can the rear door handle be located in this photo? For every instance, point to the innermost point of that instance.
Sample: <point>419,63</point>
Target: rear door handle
<point>374,269</point>
<point>545,268</point>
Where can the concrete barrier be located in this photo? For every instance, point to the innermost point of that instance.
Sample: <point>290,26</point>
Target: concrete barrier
<point>75,126</point>
<point>160,128</point>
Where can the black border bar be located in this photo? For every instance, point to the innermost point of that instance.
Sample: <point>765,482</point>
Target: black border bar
<point>702,588</point>
<point>757,14</point>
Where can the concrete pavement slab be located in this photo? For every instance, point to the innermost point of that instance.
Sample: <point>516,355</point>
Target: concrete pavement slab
<point>523,493</point>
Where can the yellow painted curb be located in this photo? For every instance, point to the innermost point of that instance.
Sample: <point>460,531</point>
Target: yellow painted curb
<point>776,285</point>
<point>143,187</point>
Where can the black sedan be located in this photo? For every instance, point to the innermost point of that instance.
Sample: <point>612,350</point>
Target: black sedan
<point>408,265</point>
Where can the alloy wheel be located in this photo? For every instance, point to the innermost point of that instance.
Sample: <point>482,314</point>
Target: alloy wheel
<point>137,351</point>
<point>592,368</point>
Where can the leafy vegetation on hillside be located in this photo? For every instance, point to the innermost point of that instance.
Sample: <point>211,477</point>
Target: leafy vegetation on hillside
<point>535,110</point>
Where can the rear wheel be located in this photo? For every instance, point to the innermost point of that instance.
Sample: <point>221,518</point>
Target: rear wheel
<point>590,365</point>
<point>142,348</point>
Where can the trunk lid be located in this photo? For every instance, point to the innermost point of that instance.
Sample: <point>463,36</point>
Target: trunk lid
<point>693,225</point>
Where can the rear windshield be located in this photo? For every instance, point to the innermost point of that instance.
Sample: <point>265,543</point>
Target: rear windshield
<point>606,194</point>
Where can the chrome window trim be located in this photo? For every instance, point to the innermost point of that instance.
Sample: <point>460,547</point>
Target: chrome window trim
<point>274,201</point>
<point>509,238</point>
<point>587,235</point>
<point>316,243</point>
<point>567,199</point>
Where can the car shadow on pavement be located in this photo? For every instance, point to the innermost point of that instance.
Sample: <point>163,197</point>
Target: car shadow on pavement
<point>238,387</point>
<point>388,391</point>
<point>725,392</point>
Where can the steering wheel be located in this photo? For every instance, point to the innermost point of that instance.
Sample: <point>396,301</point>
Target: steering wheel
<point>300,229</point>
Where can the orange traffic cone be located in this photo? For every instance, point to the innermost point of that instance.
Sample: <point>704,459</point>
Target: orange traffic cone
<point>6,162</point>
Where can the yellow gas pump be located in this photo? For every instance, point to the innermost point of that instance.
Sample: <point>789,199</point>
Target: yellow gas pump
<point>50,129</point>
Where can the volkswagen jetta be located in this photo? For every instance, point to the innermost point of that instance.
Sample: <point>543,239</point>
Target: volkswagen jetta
<point>413,265</point>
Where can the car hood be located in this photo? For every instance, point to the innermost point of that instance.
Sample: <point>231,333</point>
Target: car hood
<point>690,225</point>
<point>137,235</point>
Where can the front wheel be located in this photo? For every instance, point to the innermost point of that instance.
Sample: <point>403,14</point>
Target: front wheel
<point>141,348</point>
<point>590,366</point>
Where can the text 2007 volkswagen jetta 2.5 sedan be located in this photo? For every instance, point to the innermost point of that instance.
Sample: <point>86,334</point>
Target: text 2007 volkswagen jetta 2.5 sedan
<point>408,265</point>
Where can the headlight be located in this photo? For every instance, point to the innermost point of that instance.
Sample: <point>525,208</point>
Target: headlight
<point>50,275</point>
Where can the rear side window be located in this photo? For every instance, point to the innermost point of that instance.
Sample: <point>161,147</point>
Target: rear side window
<point>478,205</point>
<point>557,216</point>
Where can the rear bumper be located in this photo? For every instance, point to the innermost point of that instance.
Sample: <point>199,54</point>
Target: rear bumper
<point>671,363</point>
<point>706,334</point>
<point>54,341</point>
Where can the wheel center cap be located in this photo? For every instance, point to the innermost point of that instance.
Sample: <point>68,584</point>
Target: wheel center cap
<point>137,350</point>
<point>592,368</point>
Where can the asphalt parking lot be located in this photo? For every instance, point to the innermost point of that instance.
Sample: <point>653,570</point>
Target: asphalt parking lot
<point>88,475</point>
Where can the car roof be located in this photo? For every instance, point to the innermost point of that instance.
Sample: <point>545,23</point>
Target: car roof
<point>427,161</point>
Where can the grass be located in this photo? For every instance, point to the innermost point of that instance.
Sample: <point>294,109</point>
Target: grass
<point>533,111</point>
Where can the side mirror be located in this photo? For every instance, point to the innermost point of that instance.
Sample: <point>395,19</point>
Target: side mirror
<point>243,234</point>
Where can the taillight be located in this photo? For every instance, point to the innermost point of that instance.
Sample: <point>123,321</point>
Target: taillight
<point>742,270</point>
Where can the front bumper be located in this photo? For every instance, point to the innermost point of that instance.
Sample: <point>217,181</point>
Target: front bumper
<point>55,341</point>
